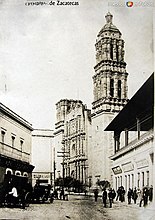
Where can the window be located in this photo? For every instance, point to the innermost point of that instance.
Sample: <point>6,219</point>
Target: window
<point>111,51</point>
<point>125,182</point>
<point>2,136</point>
<point>147,173</point>
<point>121,180</point>
<point>13,141</point>
<point>118,181</point>
<point>119,89</point>
<point>21,145</point>
<point>132,180</point>
<point>142,179</point>
<point>117,53</point>
<point>112,87</point>
<point>138,180</point>
<point>128,181</point>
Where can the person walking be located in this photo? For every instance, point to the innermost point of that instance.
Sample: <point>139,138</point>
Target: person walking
<point>140,198</point>
<point>135,195</point>
<point>96,194</point>
<point>145,196</point>
<point>104,197</point>
<point>129,195</point>
<point>14,195</point>
<point>122,194</point>
<point>151,193</point>
<point>110,195</point>
<point>113,194</point>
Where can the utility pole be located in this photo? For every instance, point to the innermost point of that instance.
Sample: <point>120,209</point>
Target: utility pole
<point>54,167</point>
<point>63,168</point>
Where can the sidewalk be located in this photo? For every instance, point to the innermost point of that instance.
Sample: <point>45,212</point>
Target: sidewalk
<point>123,211</point>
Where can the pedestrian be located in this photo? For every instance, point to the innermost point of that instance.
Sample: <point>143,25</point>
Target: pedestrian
<point>56,194</point>
<point>151,193</point>
<point>51,195</point>
<point>110,195</point>
<point>66,194</point>
<point>13,195</point>
<point>138,194</point>
<point>113,194</point>
<point>145,195</point>
<point>59,194</point>
<point>122,194</point>
<point>62,195</point>
<point>96,194</point>
<point>140,198</point>
<point>129,195</point>
<point>135,195</point>
<point>104,197</point>
<point>118,194</point>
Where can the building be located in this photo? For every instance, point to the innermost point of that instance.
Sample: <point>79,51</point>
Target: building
<point>133,156</point>
<point>110,96</point>
<point>42,147</point>
<point>15,145</point>
<point>72,136</point>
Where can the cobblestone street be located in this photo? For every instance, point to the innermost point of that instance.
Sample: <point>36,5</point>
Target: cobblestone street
<point>78,208</point>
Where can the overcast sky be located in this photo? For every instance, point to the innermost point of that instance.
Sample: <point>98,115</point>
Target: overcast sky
<point>47,53</point>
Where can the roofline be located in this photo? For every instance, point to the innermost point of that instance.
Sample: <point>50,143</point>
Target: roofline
<point>15,116</point>
<point>111,126</point>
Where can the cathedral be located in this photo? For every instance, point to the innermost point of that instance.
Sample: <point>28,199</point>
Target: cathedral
<point>80,133</point>
<point>72,131</point>
<point>110,96</point>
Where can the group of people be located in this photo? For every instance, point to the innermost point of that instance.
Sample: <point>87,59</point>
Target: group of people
<point>61,194</point>
<point>143,196</point>
<point>111,194</point>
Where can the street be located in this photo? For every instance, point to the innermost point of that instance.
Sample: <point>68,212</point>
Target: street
<point>79,208</point>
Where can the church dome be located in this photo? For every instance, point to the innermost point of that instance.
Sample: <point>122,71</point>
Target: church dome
<point>109,27</point>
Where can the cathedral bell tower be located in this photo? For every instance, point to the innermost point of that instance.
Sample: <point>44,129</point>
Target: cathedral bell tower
<point>110,78</point>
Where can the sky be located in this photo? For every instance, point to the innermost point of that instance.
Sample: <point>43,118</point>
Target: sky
<point>47,53</point>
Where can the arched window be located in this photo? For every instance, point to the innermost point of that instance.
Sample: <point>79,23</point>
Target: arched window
<point>8,171</point>
<point>119,89</point>
<point>17,173</point>
<point>117,58</point>
<point>25,174</point>
<point>111,51</point>
<point>111,87</point>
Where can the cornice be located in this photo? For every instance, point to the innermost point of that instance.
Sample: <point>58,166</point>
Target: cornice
<point>132,146</point>
<point>5,110</point>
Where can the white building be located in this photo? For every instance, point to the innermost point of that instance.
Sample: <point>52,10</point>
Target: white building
<point>15,145</point>
<point>42,146</point>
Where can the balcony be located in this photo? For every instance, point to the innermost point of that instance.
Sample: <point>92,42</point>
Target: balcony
<point>8,151</point>
<point>134,144</point>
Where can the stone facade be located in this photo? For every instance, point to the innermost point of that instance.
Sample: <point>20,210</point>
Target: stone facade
<point>15,144</point>
<point>110,96</point>
<point>42,155</point>
<point>73,127</point>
